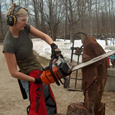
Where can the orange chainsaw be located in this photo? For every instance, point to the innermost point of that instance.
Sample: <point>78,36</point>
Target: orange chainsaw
<point>61,68</point>
<point>55,71</point>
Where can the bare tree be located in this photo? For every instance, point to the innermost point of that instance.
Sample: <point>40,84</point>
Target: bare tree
<point>70,19</point>
<point>12,1</point>
<point>90,17</point>
<point>54,16</point>
<point>36,7</point>
<point>1,27</point>
<point>65,19</point>
<point>43,28</point>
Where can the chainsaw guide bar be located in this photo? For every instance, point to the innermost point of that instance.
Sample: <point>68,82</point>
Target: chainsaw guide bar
<point>98,58</point>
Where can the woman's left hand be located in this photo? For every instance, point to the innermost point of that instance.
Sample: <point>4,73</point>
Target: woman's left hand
<point>55,50</point>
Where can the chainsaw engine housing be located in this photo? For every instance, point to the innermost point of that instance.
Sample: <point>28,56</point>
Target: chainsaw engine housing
<point>54,72</point>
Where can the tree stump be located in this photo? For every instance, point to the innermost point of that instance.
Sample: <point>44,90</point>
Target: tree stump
<point>77,109</point>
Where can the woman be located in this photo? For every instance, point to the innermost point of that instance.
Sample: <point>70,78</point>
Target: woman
<point>17,48</point>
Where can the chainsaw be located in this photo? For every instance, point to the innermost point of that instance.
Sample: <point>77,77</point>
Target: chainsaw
<point>61,69</point>
<point>54,72</point>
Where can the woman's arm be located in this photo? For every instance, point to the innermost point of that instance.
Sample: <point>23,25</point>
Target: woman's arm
<point>12,66</point>
<point>41,35</point>
<point>55,50</point>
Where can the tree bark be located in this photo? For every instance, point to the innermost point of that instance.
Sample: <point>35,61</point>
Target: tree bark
<point>1,27</point>
<point>36,13</point>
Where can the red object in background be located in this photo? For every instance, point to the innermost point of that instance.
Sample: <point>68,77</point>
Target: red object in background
<point>108,62</point>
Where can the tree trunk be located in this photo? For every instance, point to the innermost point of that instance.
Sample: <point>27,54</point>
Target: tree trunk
<point>77,109</point>
<point>65,24</point>
<point>51,19</point>
<point>42,17</point>
<point>71,21</point>
<point>1,27</point>
<point>90,15</point>
<point>97,19</point>
<point>36,14</point>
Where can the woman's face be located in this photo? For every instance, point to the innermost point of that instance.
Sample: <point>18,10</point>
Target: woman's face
<point>21,22</point>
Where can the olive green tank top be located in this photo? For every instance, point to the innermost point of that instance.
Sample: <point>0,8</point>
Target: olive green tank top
<point>22,47</point>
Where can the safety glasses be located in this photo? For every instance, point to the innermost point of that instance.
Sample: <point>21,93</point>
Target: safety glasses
<point>22,19</point>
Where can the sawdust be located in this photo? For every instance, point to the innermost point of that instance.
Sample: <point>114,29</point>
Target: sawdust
<point>11,102</point>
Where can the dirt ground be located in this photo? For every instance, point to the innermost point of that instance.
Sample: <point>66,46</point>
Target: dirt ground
<point>11,102</point>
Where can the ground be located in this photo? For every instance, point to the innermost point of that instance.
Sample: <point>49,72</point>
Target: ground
<point>11,102</point>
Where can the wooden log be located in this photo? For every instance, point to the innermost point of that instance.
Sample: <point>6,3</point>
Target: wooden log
<point>77,109</point>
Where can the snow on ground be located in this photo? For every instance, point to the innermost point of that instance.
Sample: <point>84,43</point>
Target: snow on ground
<point>43,49</point>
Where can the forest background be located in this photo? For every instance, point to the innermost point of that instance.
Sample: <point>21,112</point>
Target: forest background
<point>63,18</point>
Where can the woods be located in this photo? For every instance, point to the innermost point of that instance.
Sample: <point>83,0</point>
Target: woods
<point>64,18</point>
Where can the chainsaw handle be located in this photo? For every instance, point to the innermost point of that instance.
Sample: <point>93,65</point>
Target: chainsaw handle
<point>50,67</point>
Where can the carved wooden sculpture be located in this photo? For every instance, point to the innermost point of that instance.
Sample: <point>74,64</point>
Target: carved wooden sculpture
<point>94,79</point>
